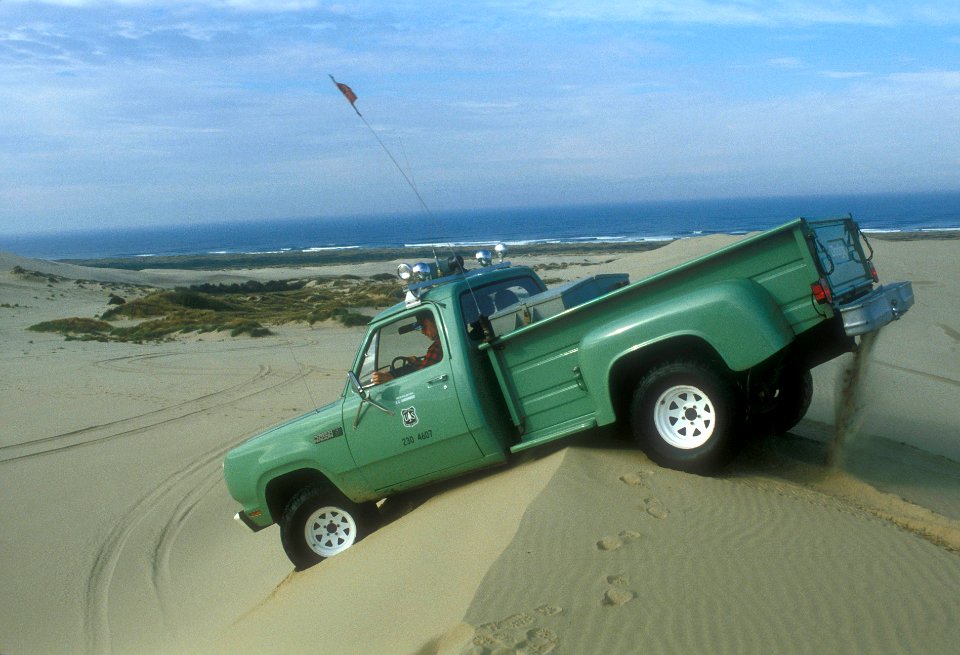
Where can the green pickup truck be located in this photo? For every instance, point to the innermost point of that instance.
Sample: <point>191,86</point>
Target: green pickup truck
<point>477,364</point>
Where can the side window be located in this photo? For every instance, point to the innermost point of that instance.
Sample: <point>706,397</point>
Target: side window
<point>401,347</point>
<point>494,298</point>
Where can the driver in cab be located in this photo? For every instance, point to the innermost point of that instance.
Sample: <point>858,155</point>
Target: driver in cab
<point>434,354</point>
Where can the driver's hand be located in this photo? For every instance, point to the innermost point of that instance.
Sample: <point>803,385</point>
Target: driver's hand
<point>380,377</point>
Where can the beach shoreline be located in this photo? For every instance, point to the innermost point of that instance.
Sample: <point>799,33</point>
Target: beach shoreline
<point>341,256</point>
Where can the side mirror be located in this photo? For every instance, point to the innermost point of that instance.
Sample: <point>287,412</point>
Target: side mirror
<point>364,398</point>
<point>355,383</point>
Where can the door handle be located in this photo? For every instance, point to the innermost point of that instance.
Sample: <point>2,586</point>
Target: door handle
<point>439,378</point>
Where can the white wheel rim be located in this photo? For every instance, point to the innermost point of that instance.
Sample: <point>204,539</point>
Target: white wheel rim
<point>684,417</point>
<point>330,530</point>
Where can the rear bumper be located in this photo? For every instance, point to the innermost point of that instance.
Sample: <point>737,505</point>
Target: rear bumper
<point>871,312</point>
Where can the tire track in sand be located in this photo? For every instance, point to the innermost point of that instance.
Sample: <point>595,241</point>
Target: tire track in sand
<point>125,363</point>
<point>177,521</point>
<point>97,595</point>
<point>209,477</point>
<point>134,424</point>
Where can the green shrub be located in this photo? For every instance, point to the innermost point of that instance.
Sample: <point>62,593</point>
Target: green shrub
<point>252,328</point>
<point>162,303</point>
<point>248,307</point>
<point>73,325</point>
<point>353,319</point>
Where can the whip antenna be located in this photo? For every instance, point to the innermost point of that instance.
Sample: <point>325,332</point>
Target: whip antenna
<point>352,99</point>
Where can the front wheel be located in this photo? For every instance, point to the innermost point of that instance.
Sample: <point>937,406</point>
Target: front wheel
<point>319,523</point>
<point>685,417</point>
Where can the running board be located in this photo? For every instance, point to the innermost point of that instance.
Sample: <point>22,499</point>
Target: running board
<point>555,432</point>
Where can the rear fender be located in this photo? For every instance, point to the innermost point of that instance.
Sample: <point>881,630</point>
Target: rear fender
<point>738,320</point>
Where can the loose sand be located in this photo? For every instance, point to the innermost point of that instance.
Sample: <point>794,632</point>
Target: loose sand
<point>119,535</point>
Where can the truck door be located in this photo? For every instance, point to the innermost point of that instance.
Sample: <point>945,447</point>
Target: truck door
<point>407,369</point>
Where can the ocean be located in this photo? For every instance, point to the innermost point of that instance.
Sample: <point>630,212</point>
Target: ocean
<point>571,224</point>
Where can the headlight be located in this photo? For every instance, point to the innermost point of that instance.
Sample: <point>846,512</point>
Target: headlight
<point>484,258</point>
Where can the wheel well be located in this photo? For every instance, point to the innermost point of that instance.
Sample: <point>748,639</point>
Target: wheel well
<point>630,369</point>
<point>280,490</point>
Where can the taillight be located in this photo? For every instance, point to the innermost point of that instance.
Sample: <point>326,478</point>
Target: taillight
<point>821,292</point>
<point>873,272</point>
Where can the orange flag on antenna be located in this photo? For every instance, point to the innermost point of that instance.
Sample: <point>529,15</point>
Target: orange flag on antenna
<point>347,93</point>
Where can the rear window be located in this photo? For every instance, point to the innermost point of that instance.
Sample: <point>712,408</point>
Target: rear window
<point>492,298</point>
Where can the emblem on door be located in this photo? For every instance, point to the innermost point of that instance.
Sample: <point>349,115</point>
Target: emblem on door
<point>409,416</point>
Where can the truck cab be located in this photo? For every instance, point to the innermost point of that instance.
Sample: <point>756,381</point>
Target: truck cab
<point>404,419</point>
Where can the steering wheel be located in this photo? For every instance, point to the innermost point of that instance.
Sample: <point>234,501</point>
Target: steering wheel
<point>398,363</point>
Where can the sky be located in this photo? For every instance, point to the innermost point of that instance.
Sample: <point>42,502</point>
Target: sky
<point>118,113</point>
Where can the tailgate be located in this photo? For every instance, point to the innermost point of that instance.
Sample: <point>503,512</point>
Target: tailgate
<point>836,245</point>
<point>850,276</point>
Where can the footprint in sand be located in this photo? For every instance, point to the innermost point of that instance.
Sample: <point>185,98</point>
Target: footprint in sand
<point>613,543</point>
<point>637,479</point>
<point>617,594</point>
<point>549,610</point>
<point>515,634</point>
<point>615,597</point>
<point>655,508</point>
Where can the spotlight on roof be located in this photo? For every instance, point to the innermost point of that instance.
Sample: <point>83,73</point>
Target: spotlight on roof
<point>421,271</point>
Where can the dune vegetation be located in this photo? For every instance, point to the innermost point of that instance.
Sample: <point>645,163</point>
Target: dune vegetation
<point>239,309</point>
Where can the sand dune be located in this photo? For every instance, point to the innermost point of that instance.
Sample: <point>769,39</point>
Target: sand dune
<point>119,534</point>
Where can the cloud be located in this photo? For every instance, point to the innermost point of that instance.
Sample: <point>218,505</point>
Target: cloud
<point>770,13</point>
<point>877,13</point>
<point>184,103</point>
<point>484,106</point>
<point>928,79</point>
<point>786,62</point>
<point>843,75</point>
<point>243,5</point>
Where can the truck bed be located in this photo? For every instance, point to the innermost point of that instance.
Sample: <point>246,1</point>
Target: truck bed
<point>552,386</point>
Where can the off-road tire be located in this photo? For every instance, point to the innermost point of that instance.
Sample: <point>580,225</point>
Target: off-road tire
<point>792,396</point>
<point>686,416</point>
<point>318,523</point>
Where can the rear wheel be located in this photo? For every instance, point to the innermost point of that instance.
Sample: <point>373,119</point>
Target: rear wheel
<point>320,523</point>
<point>784,403</point>
<point>685,417</point>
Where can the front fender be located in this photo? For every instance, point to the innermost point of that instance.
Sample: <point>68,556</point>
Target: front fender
<point>312,442</point>
<point>738,319</point>
<point>249,477</point>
